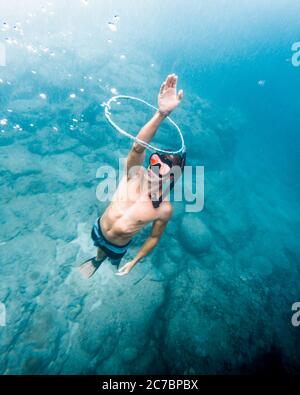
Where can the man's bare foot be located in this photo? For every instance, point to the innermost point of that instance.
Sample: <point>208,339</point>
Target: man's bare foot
<point>88,268</point>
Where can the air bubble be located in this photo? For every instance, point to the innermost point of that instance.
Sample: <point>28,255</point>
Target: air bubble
<point>18,127</point>
<point>3,122</point>
<point>72,96</point>
<point>5,26</point>
<point>114,91</point>
<point>112,26</point>
<point>18,28</point>
<point>43,96</point>
<point>30,48</point>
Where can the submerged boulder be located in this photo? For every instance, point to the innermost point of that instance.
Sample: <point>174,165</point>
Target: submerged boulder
<point>194,234</point>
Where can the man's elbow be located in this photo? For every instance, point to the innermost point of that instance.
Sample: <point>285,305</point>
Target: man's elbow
<point>138,149</point>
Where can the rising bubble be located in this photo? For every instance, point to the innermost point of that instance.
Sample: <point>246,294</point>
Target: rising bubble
<point>112,26</point>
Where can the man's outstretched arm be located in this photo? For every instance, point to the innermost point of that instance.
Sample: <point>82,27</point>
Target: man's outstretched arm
<point>158,228</point>
<point>167,101</point>
<point>137,155</point>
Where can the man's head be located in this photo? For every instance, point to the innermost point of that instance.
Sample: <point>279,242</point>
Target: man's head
<point>163,165</point>
<point>164,169</point>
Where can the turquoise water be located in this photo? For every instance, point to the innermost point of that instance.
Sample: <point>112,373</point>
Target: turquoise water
<point>216,295</point>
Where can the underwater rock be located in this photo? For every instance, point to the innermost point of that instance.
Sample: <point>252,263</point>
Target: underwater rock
<point>129,354</point>
<point>27,107</point>
<point>48,141</point>
<point>6,139</point>
<point>194,234</point>
<point>10,224</point>
<point>18,161</point>
<point>103,339</point>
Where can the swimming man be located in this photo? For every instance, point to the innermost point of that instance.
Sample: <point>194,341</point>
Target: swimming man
<point>139,198</point>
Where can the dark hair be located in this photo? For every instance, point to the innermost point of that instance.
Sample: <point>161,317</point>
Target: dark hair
<point>175,159</point>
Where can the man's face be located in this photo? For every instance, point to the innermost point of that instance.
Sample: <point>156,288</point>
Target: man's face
<point>158,173</point>
<point>158,168</point>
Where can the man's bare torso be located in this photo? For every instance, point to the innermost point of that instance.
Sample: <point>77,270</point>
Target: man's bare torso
<point>130,210</point>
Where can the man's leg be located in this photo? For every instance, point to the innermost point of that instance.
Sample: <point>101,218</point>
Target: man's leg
<point>116,262</point>
<point>88,268</point>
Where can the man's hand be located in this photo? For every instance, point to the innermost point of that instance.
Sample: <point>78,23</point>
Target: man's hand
<point>167,98</point>
<point>125,269</point>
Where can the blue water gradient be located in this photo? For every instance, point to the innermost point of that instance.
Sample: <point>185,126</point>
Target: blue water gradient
<point>216,295</point>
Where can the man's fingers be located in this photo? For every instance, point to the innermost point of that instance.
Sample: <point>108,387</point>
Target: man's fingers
<point>120,273</point>
<point>169,81</point>
<point>162,87</point>
<point>180,95</point>
<point>174,81</point>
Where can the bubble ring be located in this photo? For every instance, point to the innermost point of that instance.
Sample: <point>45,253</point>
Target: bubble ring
<point>143,143</point>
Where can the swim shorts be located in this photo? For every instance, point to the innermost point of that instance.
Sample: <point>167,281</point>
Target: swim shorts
<point>114,252</point>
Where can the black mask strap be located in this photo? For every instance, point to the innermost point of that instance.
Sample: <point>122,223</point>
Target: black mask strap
<point>156,203</point>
